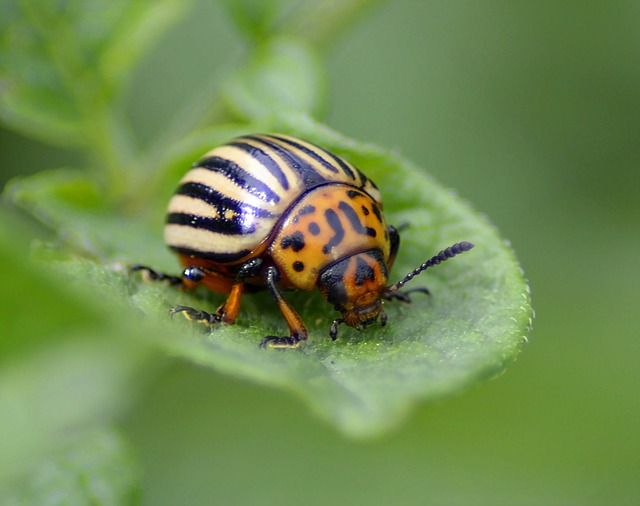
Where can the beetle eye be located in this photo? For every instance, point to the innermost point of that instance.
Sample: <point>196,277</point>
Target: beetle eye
<point>194,274</point>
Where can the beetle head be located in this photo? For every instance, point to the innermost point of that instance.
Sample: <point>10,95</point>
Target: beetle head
<point>355,286</point>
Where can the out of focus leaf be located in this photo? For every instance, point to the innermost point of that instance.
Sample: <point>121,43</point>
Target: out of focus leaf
<point>364,383</point>
<point>284,74</point>
<point>315,21</point>
<point>60,62</point>
<point>255,17</point>
<point>320,21</point>
<point>67,367</point>
<point>72,204</point>
<point>141,24</point>
<point>96,467</point>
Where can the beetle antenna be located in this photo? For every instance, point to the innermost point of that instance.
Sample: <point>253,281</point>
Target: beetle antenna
<point>446,254</point>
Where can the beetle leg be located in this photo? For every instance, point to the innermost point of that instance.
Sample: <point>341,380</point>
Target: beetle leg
<point>150,274</point>
<point>227,313</point>
<point>333,332</point>
<point>189,279</point>
<point>298,331</point>
<point>194,315</point>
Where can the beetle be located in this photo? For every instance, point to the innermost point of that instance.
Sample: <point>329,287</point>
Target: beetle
<point>277,212</point>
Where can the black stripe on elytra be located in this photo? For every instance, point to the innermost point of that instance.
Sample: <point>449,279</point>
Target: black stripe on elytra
<point>345,168</point>
<point>219,200</point>
<point>353,218</point>
<point>238,225</point>
<point>326,164</point>
<point>309,175</point>
<point>237,175</point>
<point>265,160</point>
<point>334,222</point>
<point>211,255</point>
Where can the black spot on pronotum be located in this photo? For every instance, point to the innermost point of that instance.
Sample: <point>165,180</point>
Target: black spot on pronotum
<point>334,222</point>
<point>376,211</point>
<point>294,241</point>
<point>314,228</point>
<point>298,266</point>
<point>352,194</point>
<point>305,210</point>
<point>354,219</point>
<point>365,210</point>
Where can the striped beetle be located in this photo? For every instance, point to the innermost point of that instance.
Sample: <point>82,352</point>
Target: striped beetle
<point>278,212</point>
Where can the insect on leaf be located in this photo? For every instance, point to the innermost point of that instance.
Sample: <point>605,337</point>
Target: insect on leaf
<point>471,326</point>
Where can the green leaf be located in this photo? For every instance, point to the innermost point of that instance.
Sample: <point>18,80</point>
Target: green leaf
<point>139,25</point>
<point>255,17</point>
<point>315,21</point>
<point>68,369</point>
<point>320,21</point>
<point>284,74</point>
<point>365,383</point>
<point>60,62</point>
<point>73,205</point>
<point>94,468</point>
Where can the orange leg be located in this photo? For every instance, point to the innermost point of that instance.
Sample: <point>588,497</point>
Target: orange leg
<point>228,312</point>
<point>191,277</point>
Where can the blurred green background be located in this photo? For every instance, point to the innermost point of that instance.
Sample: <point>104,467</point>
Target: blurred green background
<point>531,111</point>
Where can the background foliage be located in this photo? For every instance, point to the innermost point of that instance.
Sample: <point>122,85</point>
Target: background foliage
<point>529,111</point>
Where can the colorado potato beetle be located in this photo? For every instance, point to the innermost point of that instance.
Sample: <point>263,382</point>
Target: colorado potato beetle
<point>276,212</point>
